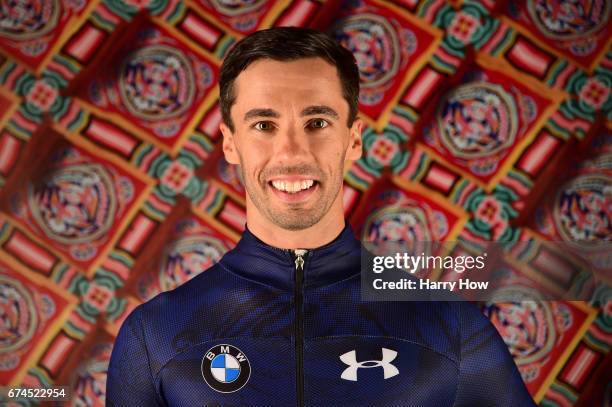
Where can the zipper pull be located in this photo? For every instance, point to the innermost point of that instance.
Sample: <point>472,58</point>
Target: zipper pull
<point>299,258</point>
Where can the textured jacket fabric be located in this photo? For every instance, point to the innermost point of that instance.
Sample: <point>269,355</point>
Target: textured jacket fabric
<point>257,330</point>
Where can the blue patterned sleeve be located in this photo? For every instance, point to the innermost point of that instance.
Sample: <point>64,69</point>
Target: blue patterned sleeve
<point>130,382</point>
<point>488,375</point>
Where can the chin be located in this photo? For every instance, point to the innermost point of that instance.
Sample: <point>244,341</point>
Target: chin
<point>294,221</point>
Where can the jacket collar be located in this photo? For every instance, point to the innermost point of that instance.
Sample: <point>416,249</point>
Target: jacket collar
<point>258,261</point>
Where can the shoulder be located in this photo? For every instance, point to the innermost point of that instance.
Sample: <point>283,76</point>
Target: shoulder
<point>472,320</point>
<point>173,319</point>
<point>196,311</point>
<point>172,304</point>
<point>442,326</point>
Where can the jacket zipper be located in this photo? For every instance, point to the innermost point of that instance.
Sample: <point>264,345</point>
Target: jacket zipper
<point>299,324</point>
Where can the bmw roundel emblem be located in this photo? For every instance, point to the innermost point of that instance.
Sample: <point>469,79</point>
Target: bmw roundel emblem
<point>225,368</point>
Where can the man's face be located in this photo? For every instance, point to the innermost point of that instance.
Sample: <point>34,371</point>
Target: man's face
<point>291,139</point>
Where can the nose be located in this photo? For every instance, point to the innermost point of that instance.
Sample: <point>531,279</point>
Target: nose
<point>290,145</point>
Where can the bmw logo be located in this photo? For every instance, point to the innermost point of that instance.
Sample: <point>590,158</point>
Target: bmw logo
<point>225,368</point>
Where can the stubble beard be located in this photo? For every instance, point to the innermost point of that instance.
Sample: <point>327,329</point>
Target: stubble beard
<point>294,216</point>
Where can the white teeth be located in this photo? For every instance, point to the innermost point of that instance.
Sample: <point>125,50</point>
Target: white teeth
<point>292,187</point>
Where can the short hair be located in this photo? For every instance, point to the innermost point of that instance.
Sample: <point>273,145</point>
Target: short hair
<point>288,44</point>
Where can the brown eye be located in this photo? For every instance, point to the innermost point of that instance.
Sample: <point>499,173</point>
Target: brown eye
<point>263,126</point>
<point>319,123</point>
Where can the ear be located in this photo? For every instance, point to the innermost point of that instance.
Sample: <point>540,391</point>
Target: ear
<point>229,145</point>
<point>355,147</point>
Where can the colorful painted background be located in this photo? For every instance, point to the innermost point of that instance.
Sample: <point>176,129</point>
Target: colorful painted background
<point>487,120</point>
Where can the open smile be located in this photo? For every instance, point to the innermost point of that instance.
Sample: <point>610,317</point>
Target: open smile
<point>293,190</point>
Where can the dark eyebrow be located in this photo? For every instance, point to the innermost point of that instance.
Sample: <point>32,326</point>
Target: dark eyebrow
<point>322,110</point>
<point>253,113</point>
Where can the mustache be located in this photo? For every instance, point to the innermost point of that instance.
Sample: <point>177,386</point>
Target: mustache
<point>302,169</point>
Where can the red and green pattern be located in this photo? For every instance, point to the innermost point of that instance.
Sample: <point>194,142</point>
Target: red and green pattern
<point>486,120</point>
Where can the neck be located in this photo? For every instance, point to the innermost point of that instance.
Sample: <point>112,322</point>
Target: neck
<point>317,235</point>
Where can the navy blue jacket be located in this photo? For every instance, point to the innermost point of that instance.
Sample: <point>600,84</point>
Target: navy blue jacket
<point>269,327</point>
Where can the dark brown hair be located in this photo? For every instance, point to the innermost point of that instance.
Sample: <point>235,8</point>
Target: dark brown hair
<point>288,44</point>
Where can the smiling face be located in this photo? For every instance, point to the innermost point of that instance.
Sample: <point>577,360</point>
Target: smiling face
<point>291,141</point>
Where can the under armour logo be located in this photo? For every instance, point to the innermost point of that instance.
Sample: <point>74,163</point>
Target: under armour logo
<point>350,359</point>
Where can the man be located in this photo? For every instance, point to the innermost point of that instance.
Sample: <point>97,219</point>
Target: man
<point>279,320</point>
